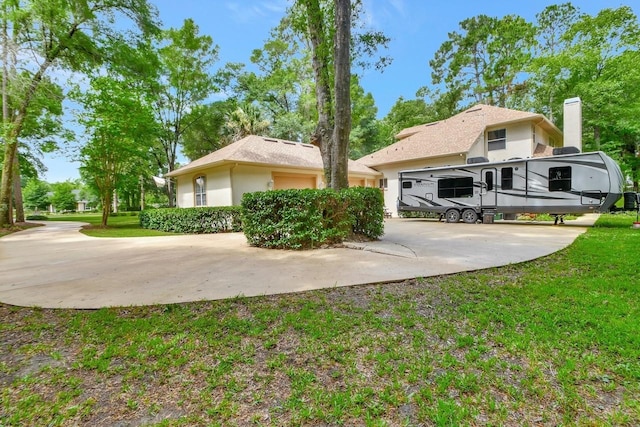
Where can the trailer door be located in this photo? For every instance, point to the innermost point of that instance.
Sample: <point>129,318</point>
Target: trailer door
<point>489,193</point>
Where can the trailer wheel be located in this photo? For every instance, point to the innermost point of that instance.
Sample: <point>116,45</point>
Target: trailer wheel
<point>469,216</point>
<point>452,215</point>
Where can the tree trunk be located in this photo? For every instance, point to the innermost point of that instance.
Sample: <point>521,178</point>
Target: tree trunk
<point>342,82</point>
<point>320,57</point>
<point>106,200</point>
<point>6,214</point>
<point>596,138</point>
<point>17,190</point>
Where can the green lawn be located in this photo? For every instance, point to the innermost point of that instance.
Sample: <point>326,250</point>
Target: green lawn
<point>555,341</point>
<point>125,225</point>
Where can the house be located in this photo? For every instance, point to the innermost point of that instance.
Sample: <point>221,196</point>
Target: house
<point>256,163</point>
<point>481,131</point>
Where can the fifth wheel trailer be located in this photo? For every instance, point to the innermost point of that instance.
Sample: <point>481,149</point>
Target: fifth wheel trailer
<point>559,184</point>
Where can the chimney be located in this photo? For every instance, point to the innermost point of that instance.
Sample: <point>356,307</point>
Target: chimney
<point>573,123</point>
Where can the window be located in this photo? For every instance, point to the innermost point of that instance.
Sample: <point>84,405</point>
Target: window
<point>506,178</point>
<point>200,186</point>
<point>488,179</point>
<point>383,183</point>
<point>455,187</point>
<point>407,184</point>
<point>560,179</point>
<point>497,139</point>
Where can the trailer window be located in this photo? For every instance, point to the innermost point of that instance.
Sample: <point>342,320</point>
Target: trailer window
<point>407,184</point>
<point>560,179</point>
<point>506,178</point>
<point>488,179</point>
<point>455,187</point>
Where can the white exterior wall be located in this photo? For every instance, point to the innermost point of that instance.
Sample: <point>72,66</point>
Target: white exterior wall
<point>248,179</point>
<point>519,141</point>
<point>391,173</point>
<point>218,188</point>
<point>226,185</point>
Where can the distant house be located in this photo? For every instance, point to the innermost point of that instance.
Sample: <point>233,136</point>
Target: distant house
<point>481,131</point>
<point>256,163</point>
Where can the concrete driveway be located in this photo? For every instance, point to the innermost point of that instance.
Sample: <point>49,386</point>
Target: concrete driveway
<point>56,266</point>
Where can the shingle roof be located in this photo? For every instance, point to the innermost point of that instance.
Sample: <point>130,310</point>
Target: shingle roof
<point>267,151</point>
<point>454,135</point>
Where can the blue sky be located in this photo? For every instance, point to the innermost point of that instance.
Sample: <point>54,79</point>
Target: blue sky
<point>417,28</point>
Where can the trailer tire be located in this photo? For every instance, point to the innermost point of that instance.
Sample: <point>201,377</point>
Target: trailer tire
<point>469,216</point>
<point>452,215</point>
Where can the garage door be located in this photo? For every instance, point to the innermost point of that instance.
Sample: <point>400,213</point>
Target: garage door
<point>285,182</point>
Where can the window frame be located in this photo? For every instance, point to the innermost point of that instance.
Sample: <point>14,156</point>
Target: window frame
<point>455,188</point>
<point>200,191</point>
<point>559,177</point>
<point>506,182</point>
<point>497,142</point>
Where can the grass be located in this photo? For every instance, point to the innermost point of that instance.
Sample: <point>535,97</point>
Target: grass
<point>125,225</point>
<point>555,341</point>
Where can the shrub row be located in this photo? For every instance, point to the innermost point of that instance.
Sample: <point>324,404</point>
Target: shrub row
<point>301,219</point>
<point>193,220</point>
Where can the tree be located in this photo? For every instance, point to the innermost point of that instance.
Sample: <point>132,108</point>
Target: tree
<point>327,28</point>
<point>70,35</point>
<point>184,83</point>
<point>596,59</point>
<point>547,67</point>
<point>485,60</point>
<point>36,194</point>
<point>245,120</point>
<point>63,198</point>
<point>120,128</point>
<point>206,133</point>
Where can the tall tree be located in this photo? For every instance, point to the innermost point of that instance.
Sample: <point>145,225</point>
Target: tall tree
<point>206,133</point>
<point>185,81</point>
<point>121,129</point>
<point>485,60</point>
<point>547,67</point>
<point>327,28</point>
<point>71,35</point>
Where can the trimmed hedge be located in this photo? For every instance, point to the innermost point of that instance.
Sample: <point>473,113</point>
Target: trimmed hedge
<point>193,220</point>
<point>301,219</point>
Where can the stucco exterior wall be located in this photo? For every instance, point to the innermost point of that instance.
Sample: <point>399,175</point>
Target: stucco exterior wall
<point>226,184</point>
<point>518,143</point>
<point>218,188</point>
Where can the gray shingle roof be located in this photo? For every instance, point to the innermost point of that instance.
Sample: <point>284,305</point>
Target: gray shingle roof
<point>269,152</point>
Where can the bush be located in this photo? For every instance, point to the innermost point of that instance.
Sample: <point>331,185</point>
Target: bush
<point>35,217</point>
<point>300,219</point>
<point>193,220</point>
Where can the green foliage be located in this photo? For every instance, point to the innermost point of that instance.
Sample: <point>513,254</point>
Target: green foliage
<point>300,219</point>
<point>193,220</point>
<point>36,194</point>
<point>63,198</point>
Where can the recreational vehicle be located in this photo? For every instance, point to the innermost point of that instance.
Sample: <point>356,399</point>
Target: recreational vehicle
<point>558,185</point>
